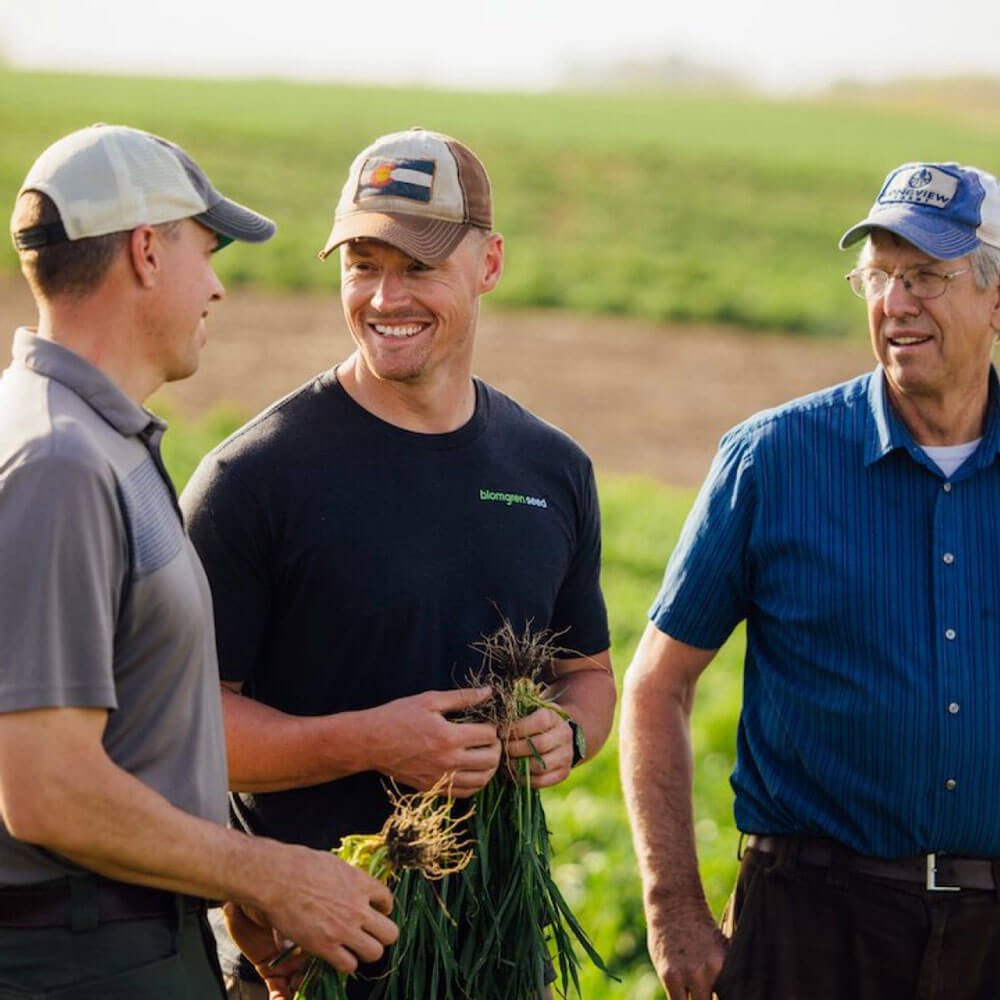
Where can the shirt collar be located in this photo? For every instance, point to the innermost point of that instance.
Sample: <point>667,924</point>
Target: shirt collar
<point>887,432</point>
<point>79,376</point>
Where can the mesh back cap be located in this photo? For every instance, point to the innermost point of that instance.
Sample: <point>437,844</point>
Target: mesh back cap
<point>945,209</point>
<point>418,191</point>
<point>112,178</point>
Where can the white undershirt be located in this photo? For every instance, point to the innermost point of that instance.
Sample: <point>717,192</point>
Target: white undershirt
<point>949,457</point>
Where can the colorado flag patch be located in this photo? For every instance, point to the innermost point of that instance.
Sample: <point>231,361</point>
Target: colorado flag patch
<point>411,179</point>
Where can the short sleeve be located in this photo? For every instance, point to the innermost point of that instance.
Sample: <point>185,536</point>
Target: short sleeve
<point>704,592</point>
<point>63,564</point>
<point>580,607</point>
<point>230,533</point>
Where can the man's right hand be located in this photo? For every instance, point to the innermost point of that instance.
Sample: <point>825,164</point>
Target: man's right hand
<point>326,906</point>
<point>259,942</point>
<point>415,744</point>
<point>687,948</point>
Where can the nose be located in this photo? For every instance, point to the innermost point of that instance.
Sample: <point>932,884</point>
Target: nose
<point>897,299</point>
<point>390,291</point>
<point>219,289</point>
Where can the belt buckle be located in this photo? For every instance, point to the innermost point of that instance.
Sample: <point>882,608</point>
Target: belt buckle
<point>931,882</point>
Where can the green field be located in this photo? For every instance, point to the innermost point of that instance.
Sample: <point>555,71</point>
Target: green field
<point>593,858</point>
<point>714,209</point>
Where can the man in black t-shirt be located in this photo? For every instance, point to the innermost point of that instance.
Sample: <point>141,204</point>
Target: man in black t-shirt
<point>363,533</point>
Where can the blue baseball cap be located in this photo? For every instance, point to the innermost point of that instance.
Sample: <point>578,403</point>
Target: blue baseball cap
<point>944,209</point>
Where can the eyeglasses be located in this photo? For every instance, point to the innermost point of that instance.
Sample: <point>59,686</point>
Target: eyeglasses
<point>871,283</point>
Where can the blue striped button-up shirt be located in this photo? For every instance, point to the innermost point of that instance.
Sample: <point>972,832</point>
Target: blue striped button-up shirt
<point>870,585</point>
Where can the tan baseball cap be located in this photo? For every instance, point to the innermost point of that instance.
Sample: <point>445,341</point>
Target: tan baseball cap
<point>418,191</point>
<point>112,178</point>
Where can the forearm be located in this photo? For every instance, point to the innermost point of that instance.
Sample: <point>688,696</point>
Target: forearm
<point>588,697</point>
<point>657,764</point>
<point>152,843</point>
<point>268,750</point>
<point>409,740</point>
<point>684,943</point>
<point>59,790</point>
<point>657,778</point>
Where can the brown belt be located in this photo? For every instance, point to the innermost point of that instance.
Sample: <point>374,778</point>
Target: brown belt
<point>937,872</point>
<point>50,904</point>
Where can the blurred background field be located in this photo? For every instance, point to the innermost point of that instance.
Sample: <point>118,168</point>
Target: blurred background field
<point>673,207</point>
<point>693,208</point>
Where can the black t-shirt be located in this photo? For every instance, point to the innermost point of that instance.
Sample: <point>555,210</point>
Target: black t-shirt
<point>353,562</point>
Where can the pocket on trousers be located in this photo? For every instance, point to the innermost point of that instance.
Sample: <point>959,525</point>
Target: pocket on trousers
<point>164,979</point>
<point>742,921</point>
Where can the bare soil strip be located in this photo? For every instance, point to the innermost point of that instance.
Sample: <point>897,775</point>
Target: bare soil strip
<point>642,398</point>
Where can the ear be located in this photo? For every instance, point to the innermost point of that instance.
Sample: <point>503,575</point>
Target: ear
<point>492,263</point>
<point>995,311</point>
<point>144,255</point>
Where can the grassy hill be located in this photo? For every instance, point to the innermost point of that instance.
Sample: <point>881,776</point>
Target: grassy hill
<point>670,207</point>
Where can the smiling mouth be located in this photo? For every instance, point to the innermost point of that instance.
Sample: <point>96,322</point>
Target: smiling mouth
<point>399,331</point>
<point>907,341</point>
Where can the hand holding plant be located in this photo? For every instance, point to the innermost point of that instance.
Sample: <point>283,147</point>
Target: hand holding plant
<point>264,947</point>
<point>515,929</point>
<point>416,741</point>
<point>543,741</point>
<point>420,837</point>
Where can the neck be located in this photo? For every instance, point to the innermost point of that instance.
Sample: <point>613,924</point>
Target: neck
<point>103,336</point>
<point>940,421</point>
<point>427,408</point>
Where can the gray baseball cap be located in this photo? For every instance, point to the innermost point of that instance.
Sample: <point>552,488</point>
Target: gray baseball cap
<point>112,178</point>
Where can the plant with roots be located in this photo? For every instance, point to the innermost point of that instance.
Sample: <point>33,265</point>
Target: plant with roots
<point>420,837</point>
<point>508,930</point>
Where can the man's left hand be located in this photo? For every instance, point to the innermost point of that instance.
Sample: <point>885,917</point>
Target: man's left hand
<point>545,740</point>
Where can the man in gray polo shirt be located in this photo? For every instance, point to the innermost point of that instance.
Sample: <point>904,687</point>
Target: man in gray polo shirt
<point>112,757</point>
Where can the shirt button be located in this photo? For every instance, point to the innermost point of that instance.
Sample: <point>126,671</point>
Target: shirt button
<point>948,558</point>
<point>953,708</point>
<point>949,633</point>
<point>947,487</point>
<point>951,784</point>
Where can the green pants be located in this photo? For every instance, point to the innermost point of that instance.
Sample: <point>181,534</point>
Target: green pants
<point>158,959</point>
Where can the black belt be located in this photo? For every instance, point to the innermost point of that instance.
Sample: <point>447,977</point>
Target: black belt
<point>51,904</point>
<point>937,872</point>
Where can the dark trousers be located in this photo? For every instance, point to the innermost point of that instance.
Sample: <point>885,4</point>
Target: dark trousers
<point>150,959</point>
<point>801,932</point>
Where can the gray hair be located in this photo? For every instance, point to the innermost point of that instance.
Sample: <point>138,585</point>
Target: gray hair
<point>985,261</point>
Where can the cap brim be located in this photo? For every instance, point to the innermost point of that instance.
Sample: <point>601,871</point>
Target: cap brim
<point>933,236</point>
<point>430,241</point>
<point>237,222</point>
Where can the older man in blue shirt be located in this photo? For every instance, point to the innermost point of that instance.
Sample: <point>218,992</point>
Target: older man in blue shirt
<point>857,531</point>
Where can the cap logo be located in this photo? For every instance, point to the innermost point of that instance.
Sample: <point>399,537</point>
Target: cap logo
<point>413,179</point>
<point>924,186</point>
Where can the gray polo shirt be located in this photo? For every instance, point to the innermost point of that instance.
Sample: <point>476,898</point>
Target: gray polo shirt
<point>103,601</point>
